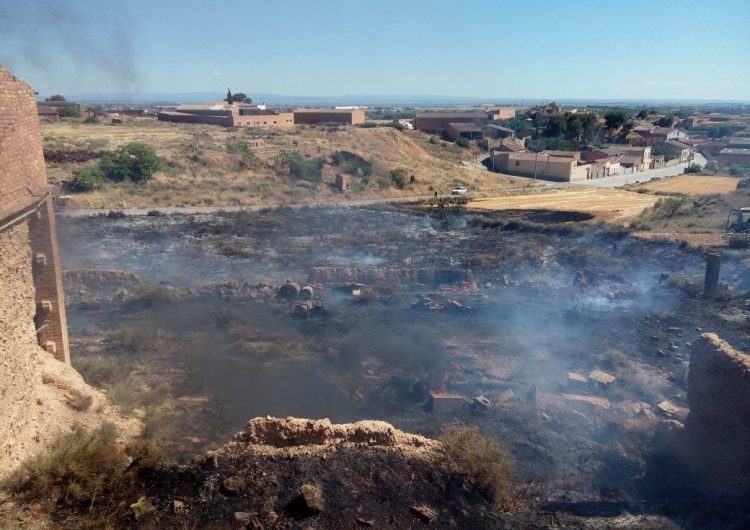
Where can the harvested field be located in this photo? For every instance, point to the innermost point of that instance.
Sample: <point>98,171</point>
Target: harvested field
<point>693,185</point>
<point>607,204</point>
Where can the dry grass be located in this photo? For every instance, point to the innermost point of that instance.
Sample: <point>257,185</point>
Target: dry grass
<point>482,460</point>
<point>693,185</point>
<point>200,171</point>
<point>86,478</point>
<point>605,203</point>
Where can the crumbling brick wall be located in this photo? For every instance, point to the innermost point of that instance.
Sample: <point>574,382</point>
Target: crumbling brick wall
<point>718,426</point>
<point>25,200</point>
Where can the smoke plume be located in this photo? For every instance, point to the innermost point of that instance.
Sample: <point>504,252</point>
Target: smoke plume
<point>45,36</point>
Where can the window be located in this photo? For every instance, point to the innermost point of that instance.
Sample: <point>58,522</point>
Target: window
<point>518,163</point>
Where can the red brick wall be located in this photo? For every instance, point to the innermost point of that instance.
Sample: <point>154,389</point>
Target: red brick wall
<point>22,175</point>
<point>24,198</point>
<point>348,117</point>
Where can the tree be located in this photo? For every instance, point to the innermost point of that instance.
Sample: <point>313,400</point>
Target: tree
<point>134,161</point>
<point>241,97</point>
<point>462,142</point>
<point>229,98</point>
<point>556,126</point>
<point>665,121</point>
<point>642,114</point>
<point>615,119</point>
<point>56,97</point>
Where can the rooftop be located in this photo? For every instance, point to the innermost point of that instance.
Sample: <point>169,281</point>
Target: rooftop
<point>735,151</point>
<point>471,114</point>
<point>337,111</point>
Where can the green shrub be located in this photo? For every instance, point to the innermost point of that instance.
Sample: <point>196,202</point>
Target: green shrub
<point>670,206</point>
<point>398,177</point>
<point>69,112</point>
<point>737,170</point>
<point>91,119</point>
<point>482,460</point>
<point>300,167</point>
<point>135,161</point>
<point>463,142</point>
<point>86,179</point>
<point>694,168</point>
<point>243,149</point>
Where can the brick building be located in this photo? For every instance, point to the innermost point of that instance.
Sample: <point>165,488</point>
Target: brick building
<point>319,116</point>
<point>27,221</point>
<point>438,122</point>
<point>228,115</point>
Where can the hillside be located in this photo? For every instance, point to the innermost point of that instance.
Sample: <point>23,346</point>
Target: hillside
<point>199,168</point>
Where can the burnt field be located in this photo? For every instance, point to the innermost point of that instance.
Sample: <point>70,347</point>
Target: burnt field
<point>577,336</point>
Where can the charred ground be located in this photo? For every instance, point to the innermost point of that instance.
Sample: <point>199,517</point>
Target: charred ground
<point>504,305</point>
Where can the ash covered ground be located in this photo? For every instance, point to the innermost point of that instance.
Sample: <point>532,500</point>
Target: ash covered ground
<point>522,308</point>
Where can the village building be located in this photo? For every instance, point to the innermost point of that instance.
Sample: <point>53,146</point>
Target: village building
<point>542,166</point>
<point>228,115</point>
<point>633,159</point>
<point>504,145</point>
<point>732,155</point>
<point>497,131</point>
<point>678,150</point>
<point>438,122</point>
<point>341,116</point>
<point>501,113</point>
<point>470,131</point>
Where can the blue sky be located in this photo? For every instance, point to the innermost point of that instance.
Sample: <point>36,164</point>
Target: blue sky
<point>545,49</point>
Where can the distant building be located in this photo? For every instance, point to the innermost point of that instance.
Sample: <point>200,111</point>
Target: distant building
<point>496,131</point>
<point>633,159</point>
<point>542,166</point>
<point>437,122</point>
<point>504,145</point>
<point>343,116</point>
<point>734,155</point>
<point>228,115</point>
<point>470,131</point>
<point>609,160</point>
<point>501,113</point>
<point>681,151</point>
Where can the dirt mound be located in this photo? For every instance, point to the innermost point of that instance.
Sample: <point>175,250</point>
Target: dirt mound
<point>40,398</point>
<point>296,432</point>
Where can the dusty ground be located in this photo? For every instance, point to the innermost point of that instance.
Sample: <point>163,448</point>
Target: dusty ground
<point>199,171</point>
<point>692,185</point>
<point>603,203</point>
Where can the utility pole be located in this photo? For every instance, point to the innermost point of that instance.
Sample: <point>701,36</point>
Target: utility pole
<point>536,157</point>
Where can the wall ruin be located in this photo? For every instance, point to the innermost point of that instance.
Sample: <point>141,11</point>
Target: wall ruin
<point>25,200</point>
